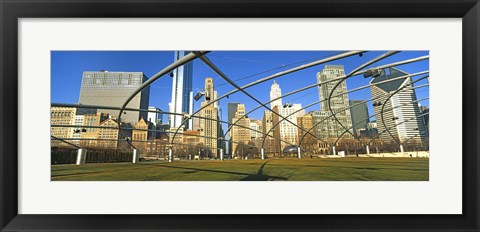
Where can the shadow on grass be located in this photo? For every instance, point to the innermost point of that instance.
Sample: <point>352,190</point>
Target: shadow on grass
<point>261,177</point>
<point>75,174</point>
<point>250,177</point>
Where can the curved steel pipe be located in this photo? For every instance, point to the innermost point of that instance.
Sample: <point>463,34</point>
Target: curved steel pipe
<point>381,57</point>
<point>340,110</point>
<point>221,74</point>
<point>391,108</point>
<point>189,57</point>
<point>399,90</point>
<point>400,123</point>
<point>63,140</point>
<point>342,77</point>
<point>383,106</point>
<point>282,73</point>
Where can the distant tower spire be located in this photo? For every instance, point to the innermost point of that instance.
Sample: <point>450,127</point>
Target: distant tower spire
<point>275,92</point>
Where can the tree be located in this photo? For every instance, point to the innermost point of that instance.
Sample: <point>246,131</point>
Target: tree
<point>245,150</point>
<point>192,151</point>
<point>391,146</point>
<point>309,145</point>
<point>252,148</point>
<point>179,151</point>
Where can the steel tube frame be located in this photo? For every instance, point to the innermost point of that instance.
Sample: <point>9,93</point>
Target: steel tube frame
<point>225,77</point>
<point>383,104</point>
<point>400,123</point>
<point>279,74</point>
<point>350,91</point>
<point>189,57</point>
<point>376,59</point>
<point>200,55</point>
<point>391,108</point>
<point>315,85</point>
<point>63,140</point>
<point>381,113</point>
<point>306,88</point>
<point>340,78</point>
<point>340,110</point>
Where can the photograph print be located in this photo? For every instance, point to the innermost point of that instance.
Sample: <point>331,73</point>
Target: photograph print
<point>239,115</point>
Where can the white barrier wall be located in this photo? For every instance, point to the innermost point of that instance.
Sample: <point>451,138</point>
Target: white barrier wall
<point>414,154</point>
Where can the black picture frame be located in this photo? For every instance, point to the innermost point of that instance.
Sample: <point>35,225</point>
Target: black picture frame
<point>12,10</point>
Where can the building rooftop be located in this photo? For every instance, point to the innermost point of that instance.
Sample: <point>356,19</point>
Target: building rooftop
<point>387,74</point>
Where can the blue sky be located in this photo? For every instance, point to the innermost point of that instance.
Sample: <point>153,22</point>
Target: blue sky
<point>67,68</point>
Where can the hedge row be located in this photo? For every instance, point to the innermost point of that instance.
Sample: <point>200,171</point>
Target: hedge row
<point>69,156</point>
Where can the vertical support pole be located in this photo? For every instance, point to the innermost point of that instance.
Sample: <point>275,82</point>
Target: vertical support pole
<point>401,148</point>
<point>368,150</point>
<point>81,156</point>
<point>334,152</point>
<point>262,152</point>
<point>170,154</point>
<point>299,152</point>
<point>135,156</point>
<point>221,154</point>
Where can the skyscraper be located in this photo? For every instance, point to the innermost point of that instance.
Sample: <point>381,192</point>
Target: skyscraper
<point>359,113</point>
<point>275,92</point>
<point>256,126</point>
<point>425,118</point>
<point>240,133</point>
<point>267,124</point>
<point>232,110</point>
<point>306,122</point>
<point>324,128</point>
<point>106,88</point>
<point>339,101</point>
<point>208,122</point>
<point>282,129</point>
<point>404,121</point>
<point>255,133</point>
<point>182,95</point>
<point>154,117</point>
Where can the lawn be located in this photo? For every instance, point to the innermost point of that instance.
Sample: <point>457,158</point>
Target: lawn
<point>306,169</point>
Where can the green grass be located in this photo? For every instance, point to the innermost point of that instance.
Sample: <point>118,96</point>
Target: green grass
<point>306,169</point>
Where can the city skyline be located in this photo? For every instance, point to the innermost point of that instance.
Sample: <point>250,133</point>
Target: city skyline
<point>257,61</point>
<point>307,112</point>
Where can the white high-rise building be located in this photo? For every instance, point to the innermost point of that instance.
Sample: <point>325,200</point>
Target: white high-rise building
<point>286,130</point>
<point>182,95</point>
<point>404,121</point>
<point>283,129</point>
<point>154,117</point>
<point>275,92</point>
